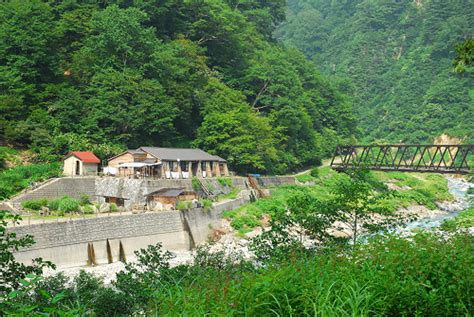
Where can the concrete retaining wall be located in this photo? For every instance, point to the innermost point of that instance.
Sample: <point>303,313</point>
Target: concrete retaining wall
<point>65,243</point>
<point>134,190</point>
<point>59,187</point>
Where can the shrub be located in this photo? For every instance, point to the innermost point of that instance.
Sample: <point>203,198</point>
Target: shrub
<point>424,276</point>
<point>225,181</point>
<point>182,205</point>
<point>35,204</point>
<point>304,178</point>
<point>206,203</point>
<point>54,204</point>
<point>196,184</point>
<point>465,219</point>
<point>84,200</point>
<point>67,204</point>
<point>15,179</point>
<point>113,207</point>
<point>87,209</point>
<point>314,172</point>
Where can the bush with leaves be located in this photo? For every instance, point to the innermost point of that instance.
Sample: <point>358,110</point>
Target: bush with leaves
<point>11,271</point>
<point>141,279</point>
<point>314,172</point>
<point>68,205</point>
<point>303,218</point>
<point>34,204</point>
<point>84,199</point>
<point>88,209</point>
<point>356,203</point>
<point>113,207</point>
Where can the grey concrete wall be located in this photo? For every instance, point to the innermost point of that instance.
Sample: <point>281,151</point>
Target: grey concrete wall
<point>65,243</point>
<point>134,190</point>
<point>59,187</point>
<point>202,221</point>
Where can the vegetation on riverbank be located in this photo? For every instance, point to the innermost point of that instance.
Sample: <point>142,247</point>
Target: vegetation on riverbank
<point>425,276</point>
<point>465,219</point>
<point>297,267</point>
<point>409,189</point>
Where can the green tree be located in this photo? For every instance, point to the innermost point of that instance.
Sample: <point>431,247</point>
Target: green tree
<point>357,206</point>
<point>11,271</point>
<point>244,138</point>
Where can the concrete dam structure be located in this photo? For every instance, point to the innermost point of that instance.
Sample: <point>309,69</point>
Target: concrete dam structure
<point>66,243</point>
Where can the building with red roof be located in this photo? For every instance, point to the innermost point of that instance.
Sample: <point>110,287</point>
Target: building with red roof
<point>80,164</point>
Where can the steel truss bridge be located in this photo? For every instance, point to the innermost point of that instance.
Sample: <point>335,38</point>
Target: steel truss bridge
<point>455,159</point>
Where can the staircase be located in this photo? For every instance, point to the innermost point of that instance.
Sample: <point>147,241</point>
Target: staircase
<point>56,188</point>
<point>254,185</point>
<point>209,194</point>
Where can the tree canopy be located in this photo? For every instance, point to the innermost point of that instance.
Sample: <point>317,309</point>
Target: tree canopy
<point>164,73</point>
<point>395,58</point>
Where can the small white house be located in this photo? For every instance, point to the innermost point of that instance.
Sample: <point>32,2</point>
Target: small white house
<point>80,164</point>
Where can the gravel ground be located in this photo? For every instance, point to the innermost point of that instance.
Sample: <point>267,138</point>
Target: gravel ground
<point>108,271</point>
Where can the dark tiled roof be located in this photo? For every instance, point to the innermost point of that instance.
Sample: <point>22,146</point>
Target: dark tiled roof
<point>137,151</point>
<point>169,192</point>
<point>173,154</point>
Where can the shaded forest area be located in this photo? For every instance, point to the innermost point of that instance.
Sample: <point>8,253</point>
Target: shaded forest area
<point>395,58</point>
<point>106,75</point>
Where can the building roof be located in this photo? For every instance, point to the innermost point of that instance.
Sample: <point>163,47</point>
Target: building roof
<point>169,192</point>
<point>86,157</point>
<point>133,152</point>
<point>173,154</point>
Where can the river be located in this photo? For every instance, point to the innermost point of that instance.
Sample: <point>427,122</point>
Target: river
<point>458,187</point>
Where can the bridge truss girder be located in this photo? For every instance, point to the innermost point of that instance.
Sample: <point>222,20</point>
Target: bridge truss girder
<point>452,159</point>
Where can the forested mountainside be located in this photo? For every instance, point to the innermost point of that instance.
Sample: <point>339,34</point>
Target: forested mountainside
<point>105,75</point>
<point>395,58</point>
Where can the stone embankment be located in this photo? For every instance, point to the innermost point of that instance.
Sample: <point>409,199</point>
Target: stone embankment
<point>133,190</point>
<point>58,187</point>
<point>66,243</point>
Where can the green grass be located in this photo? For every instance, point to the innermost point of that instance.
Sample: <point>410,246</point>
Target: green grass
<point>231,195</point>
<point>426,275</point>
<point>422,189</point>
<point>225,181</point>
<point>465,219</point>
<point>18,178</point>
<point>305,178</point>
<point>8,154</point>
<point>390,277</point>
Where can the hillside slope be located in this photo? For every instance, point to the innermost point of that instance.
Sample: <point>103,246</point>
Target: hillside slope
<point>395,58</point>
<point>105,75</point>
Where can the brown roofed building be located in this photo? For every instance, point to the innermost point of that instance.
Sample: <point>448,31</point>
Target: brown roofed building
<point>171,163</point>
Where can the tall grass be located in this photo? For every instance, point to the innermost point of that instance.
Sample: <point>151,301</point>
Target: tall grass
<point>427,275</point>
<point>391,276</point>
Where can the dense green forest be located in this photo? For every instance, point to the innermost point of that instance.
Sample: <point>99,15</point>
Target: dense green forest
<point>105,75</point>
<point>395,58</point>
